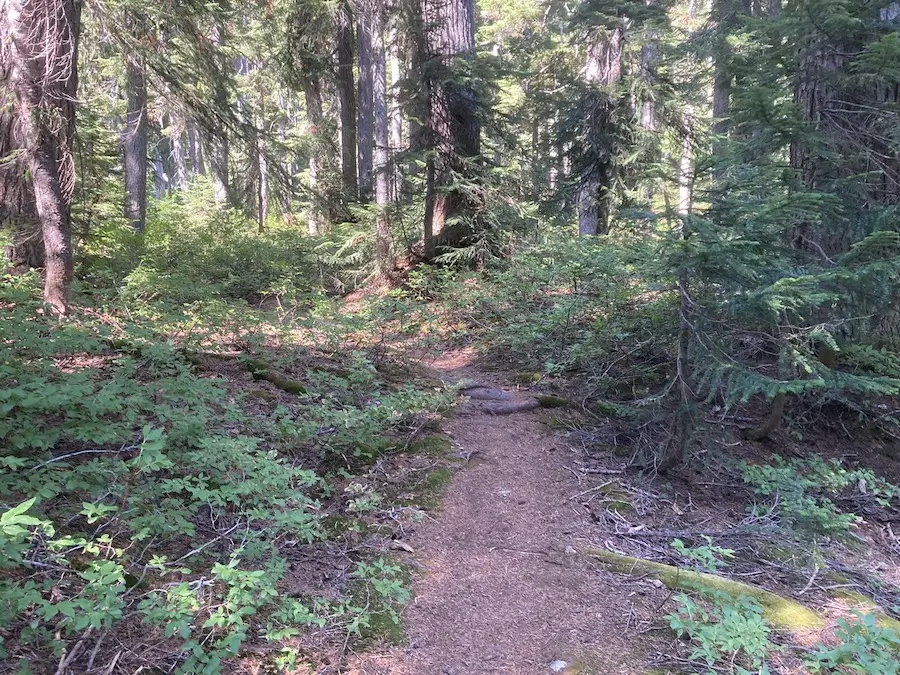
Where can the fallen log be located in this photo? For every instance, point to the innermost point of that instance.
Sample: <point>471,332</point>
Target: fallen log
<point>778,610</point>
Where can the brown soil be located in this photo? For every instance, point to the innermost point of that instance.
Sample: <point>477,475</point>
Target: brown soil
<point>499,593</point>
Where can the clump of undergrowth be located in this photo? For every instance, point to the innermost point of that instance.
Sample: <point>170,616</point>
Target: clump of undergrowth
<point>144,497</point>
<point>808,492</point>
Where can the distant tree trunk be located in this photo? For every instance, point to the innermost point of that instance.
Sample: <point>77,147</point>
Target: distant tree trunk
<point>396,113</point>
<point>312,91</point>
<point>160,178</point>
<point>603,70</point>
<point>134,143</point>
<point>685,165</point>
<point>649,62</point>
<point>179,163</point>
<point>347,96</point>
<point>195,147</point>
<point>366,117</point>
<point>454,123</point>
<point>39,46</point>
<point>217,153</point>
<point>382,142</point>
<point>262,195</point>
<point>262,165</point>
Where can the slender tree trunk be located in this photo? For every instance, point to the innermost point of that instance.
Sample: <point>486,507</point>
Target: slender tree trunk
<point>603,69</point>
<point>134,143</point>
<point>366,117</point>
<point>179,163</point>
<point>217,152</point>
<point>262,195</point>
<point>18,210</point>
<point>160,178</point>
<point>312,91</point>
<point>685,165</point>
<point>198,166</point>
<point>382,142</point>
<point>396,113</point>
<point>347,97</point>
<point>649,61</point>
<point>39,45</point>
<point>454,122</point>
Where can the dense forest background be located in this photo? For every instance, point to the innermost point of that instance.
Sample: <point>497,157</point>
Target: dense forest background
<point>677,213</point>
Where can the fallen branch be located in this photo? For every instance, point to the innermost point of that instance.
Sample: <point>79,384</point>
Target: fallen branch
<point>778,610</point>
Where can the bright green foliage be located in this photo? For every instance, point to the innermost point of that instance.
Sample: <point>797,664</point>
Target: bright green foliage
<point>708,556</point>
<point>727,634</point>
<point>865,648</point>
<point>135,487</point>
<point>806,491</point>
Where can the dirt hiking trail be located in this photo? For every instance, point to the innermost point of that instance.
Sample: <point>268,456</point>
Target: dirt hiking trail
<point>501,589</point>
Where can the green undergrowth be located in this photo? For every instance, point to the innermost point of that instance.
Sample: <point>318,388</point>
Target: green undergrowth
<point>152,483</point>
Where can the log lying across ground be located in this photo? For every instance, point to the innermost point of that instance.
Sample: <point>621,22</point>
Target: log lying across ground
<point>778,610</point>
<point>506,401</point>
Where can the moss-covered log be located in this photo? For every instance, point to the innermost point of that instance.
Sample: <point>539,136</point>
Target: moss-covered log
<point>780,611</point>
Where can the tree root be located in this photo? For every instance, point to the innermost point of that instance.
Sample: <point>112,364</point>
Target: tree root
<point>486,393</point>
<point>511,408</point>
<point>780,611</point>
<point>772,423</point>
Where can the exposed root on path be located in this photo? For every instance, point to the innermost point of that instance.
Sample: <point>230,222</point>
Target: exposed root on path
<point>779,610</point>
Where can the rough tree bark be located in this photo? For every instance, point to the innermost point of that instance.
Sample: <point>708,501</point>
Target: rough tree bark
<point>365,132</point>
<point>179,162</point>
<point>134,143</point>
<point>454,125</point>
<point>603,69</point>
<point>396,112</point>
<point>382,141</point>
<point>39,45</point>
<point>312,92</point>
<point>347,97</point>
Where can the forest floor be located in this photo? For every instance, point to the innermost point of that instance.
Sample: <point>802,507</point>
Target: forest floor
<point>502,589</point>
<point>502,585</point>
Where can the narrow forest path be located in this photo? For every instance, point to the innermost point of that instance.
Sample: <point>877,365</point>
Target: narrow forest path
<point>498,592</point>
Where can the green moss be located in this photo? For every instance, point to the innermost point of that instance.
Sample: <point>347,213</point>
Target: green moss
<point>261,394</point>
<point>382,628</point>
<point>859,601</point>
<point>552,401</point>
<point>436,444</point>
<point>527,378</point>
<point>427,493</point>
<point>779,611</point>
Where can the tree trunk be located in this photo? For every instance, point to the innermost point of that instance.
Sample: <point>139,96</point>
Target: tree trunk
<point>347,96</point>
<point>39,44</point>
<point>603,70</point>
<point>134,143</point>
<point>176,134</point>
<point>396,113</point>
<point>217,153</point>
<point>454,124</point>
<point>195,147</point>
<point>382,142</point>
<point>18,210</point>
<point>262,195</point>
<point>312,91</point>
<point>366,116</point>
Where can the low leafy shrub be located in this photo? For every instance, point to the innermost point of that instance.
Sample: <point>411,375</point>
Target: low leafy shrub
<point>864,647</point>
<point>806,490</point>
<point>726,635</point>
<point>136,492</point>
